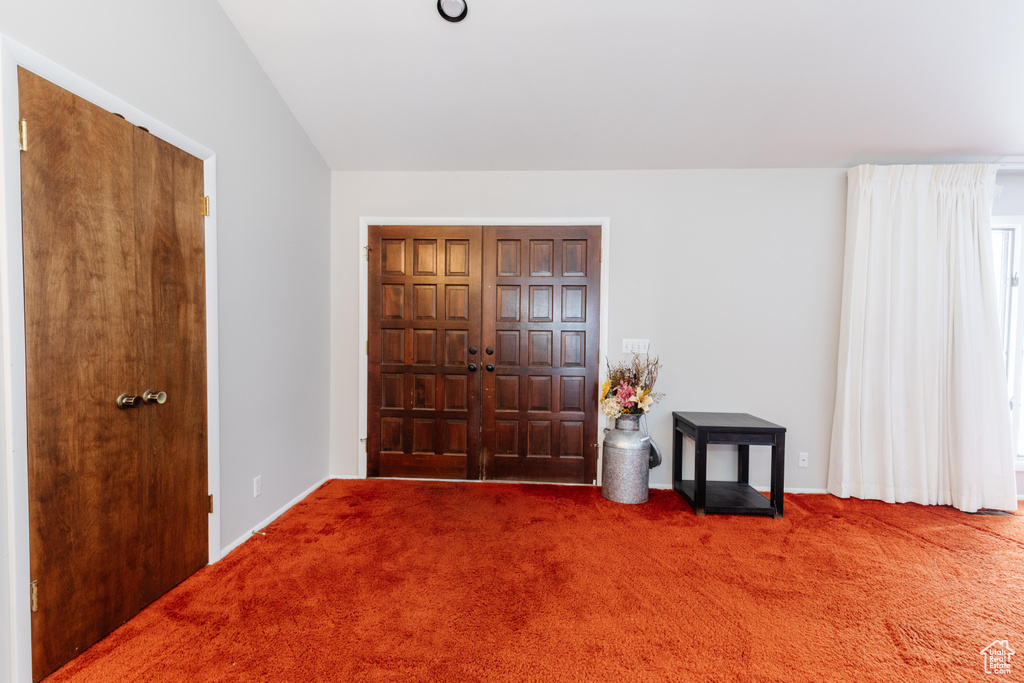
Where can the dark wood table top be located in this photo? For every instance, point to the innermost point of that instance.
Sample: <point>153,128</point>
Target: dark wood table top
<point>728,421</point>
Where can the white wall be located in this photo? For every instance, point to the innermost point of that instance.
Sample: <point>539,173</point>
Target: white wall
<point>184,64</point>
<point>735,277</point>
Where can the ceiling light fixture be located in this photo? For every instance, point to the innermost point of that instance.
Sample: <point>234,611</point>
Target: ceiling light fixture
<point>452,10</point>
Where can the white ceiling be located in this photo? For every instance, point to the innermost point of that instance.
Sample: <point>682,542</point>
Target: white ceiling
<point>634,84</point>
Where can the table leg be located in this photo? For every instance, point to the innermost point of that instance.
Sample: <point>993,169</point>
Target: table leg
<point>700,472</point>
<point>677,456</point>
<point>778,472</point>
<point>743,475</point>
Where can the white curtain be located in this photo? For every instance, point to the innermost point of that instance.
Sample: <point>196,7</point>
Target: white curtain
<point>922,412</point>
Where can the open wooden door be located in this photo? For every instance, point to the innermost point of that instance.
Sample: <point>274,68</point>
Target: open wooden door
<point>114,304</point>
<point>485,367</point>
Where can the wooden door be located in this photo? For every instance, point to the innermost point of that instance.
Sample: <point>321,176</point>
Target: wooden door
<point>503,388</point>
<point>541,303</point>
<point>113,256</point>
<point>424,339</point>
<point>171,319</point>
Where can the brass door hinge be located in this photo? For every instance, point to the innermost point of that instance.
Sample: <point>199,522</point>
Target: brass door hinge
<point>210,510</point>
<point>34,595</point>
<point>23,135</point>
<point>367,250</point>
<point>204,206</point>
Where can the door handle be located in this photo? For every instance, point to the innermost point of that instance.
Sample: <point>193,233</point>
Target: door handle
<point>490,367</point>
<point>154,396</point>
<point>128,401</point>
<point>472,367</point>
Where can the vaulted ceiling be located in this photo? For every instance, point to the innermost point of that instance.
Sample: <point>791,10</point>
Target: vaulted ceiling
<point>645,84</point>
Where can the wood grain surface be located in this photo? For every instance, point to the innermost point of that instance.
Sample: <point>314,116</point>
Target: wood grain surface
<point>113,304</point>
<point>171,299</point>
<point>424,337</point>
<point>483,352</point>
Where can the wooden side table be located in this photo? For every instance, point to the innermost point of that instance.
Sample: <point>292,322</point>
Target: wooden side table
<point>726,497</point>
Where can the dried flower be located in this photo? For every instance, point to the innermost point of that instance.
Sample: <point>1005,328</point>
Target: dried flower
<point>625,393</point>
<point>646,401</point>
<point>630,386</point>
<point>611,407</point>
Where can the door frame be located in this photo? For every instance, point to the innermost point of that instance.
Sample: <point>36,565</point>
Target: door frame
<point>422,222</point>
<point>12,332</point>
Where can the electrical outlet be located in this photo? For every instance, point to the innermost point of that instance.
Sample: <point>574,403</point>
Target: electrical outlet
<point>803,460</point>
<point>257,486</point>
<point>640,346</point>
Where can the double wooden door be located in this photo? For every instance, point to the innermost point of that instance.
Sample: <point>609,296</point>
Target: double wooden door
<point>114,304</point>
<point>483,352</point>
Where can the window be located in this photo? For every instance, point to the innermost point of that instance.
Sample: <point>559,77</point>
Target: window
<point>1006,279</point>
<point>1007,234</point>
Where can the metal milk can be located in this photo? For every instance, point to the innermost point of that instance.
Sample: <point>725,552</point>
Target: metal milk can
<point>627,461</point>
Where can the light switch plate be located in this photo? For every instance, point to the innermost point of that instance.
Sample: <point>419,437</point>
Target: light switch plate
<point>640,346</point>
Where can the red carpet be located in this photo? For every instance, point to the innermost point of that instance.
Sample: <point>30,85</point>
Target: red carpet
<point>428,581</point>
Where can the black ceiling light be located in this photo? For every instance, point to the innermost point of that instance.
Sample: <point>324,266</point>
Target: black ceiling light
<point>452,10</point>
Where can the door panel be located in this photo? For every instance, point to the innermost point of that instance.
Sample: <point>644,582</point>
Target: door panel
<point>540,315</point>
<point>81,353</point>
<point>113,251</point>
<point>171,319</point>
<point>528,300</point>
<point>424,311</point>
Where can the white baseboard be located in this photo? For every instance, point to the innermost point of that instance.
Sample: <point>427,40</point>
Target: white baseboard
<point>245,537</point>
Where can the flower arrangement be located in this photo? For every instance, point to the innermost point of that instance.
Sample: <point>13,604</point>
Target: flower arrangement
<point>630,386</point>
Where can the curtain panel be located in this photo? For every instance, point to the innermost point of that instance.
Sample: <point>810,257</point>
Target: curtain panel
<point>922,411</point>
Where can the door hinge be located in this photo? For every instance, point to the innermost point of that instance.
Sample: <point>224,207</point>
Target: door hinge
<point>367,347</point>
<point>367,250</point>
<point>1015,280</point>
<point>23,135</point>
<point>210,510</point>
<point>204,206</point>
<point>34,595</point>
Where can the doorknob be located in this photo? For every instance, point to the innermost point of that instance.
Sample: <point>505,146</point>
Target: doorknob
<point>490,367</point>
<point>472,367</point>
<point>128,401</point>
<point>154,396</point>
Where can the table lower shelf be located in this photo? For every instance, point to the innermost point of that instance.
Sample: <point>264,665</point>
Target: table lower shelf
<point>726,498</point>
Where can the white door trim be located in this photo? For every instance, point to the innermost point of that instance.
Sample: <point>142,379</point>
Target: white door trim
<point>364,274</point>
<point>12,309</point>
